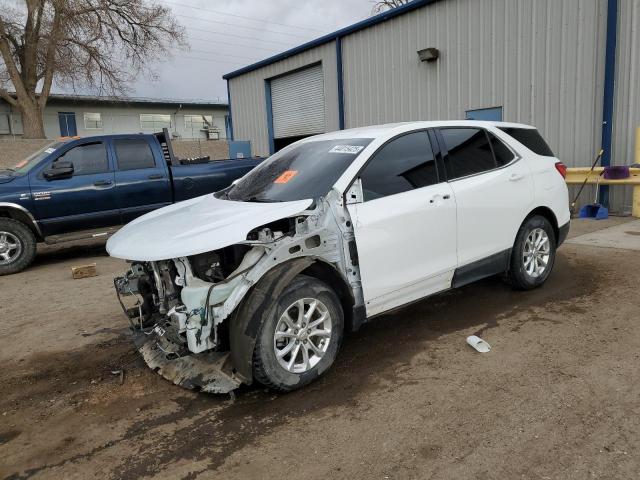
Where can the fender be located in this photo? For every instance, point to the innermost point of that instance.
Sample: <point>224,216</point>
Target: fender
<point>256,306</point>
<point>24,215</point>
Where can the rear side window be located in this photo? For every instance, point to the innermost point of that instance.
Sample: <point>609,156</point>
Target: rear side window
<point>87,159</point>
<point>403,164</point>
<point>133,154</point>
<point>530,138</point>
<point>500,151</point>
<point>469,152</point>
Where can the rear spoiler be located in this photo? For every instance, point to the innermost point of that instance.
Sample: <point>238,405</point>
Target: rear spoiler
<point>164,138</point>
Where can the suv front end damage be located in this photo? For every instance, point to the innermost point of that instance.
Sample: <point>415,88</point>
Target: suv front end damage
<point>186,314</point>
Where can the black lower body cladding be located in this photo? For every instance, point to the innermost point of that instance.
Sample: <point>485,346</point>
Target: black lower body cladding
<point>257,304</point>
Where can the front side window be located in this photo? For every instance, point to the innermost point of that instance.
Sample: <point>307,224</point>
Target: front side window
<point>154,121</point>
<point>133,154</point>
<point>87,159</point>
<point>405,163</point>
<point>298,172</point>
<point>24,166</point>
<point>198,122</point>
<point>469,152</point>
<point>93,121</point>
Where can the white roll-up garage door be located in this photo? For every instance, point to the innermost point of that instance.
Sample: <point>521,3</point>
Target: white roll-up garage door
<point>297,103</point>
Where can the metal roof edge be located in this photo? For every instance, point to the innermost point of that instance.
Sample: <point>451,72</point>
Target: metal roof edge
<point>361,25</point>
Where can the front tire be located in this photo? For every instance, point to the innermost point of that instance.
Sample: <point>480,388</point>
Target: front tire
<point>300,340</point>
<point>533,254</point>
<point>17,246</point>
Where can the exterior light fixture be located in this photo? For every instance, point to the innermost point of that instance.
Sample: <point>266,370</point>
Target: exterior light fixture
<point>429,54</point>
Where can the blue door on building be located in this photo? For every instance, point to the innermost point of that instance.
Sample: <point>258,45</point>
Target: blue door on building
<point>488,114</point>
<point>67,122</point>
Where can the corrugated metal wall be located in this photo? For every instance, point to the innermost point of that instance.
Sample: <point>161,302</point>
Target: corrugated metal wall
<point>541,60</point>
<point>248,104</point>
<point>627,98</point>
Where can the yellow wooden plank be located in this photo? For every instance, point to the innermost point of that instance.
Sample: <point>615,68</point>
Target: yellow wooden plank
<point>84,271</point>
<point>575,176</point>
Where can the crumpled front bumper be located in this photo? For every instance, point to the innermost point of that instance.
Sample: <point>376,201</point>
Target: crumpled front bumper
<point>209,372</point>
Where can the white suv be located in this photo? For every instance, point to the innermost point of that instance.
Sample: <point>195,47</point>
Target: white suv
<point>261,280</point>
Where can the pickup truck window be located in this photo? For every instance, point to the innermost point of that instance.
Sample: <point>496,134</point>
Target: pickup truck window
<point>34,159</point>
<point>298,172</point>
<point>133,154</point>
<point>87,159</point>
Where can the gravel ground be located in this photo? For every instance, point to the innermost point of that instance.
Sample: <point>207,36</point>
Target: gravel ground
<point>556,398</point>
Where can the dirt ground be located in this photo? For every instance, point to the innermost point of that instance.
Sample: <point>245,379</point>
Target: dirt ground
<point>556,398</point>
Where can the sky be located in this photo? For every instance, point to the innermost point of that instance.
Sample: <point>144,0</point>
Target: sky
<point>226,36</point>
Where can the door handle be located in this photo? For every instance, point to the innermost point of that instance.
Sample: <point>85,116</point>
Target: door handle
<point>102,183</point>
<point>155,176</point>
<point>515,177</point>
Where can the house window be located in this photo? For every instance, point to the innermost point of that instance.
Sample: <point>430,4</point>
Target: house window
<point>154,121</point>
<point>198,122</point>
<point>93,121</point>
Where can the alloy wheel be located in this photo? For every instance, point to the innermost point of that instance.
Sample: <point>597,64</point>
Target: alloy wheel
<point>302,335</point>
<point>10,248</point>
<point>536,252</point>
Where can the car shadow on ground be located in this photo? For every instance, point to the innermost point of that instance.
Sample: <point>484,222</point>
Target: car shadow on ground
<point>50,254</point>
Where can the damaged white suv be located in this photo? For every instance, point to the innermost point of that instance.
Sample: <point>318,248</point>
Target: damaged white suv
<point>260,281</point>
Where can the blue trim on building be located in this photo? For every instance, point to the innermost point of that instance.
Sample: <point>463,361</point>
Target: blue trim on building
<point>330,37</point>
<point>609,92</point>
<point>230,116</point>
<point>267,96</point>
<point>340,83</point>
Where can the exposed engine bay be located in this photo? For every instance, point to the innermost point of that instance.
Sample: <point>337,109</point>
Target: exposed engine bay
<point>184,311</point>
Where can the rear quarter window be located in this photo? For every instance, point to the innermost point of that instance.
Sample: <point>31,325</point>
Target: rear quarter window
<point>530,138</point>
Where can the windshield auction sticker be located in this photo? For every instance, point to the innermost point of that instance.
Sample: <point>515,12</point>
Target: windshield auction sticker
<point>50,150</point>
<point>286,176</point>
<point>352,149</point>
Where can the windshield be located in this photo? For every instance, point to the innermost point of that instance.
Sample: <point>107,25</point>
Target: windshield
<point>298,172</point>
<point>32,160</point>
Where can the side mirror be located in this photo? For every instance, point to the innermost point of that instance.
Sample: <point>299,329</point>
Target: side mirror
<point>58,170</point>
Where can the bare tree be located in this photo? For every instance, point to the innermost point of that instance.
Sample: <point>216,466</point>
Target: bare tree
<point>99,45</point>
<point>380,6</point>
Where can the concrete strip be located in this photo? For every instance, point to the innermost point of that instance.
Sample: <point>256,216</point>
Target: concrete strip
<point>625,236</point>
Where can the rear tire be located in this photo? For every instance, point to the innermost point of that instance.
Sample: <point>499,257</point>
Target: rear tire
<point>533,254</point>
<point>17,246</point>
<point>300,339</point>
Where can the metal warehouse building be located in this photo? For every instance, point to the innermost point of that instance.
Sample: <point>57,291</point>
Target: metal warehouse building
<point>570,67</point>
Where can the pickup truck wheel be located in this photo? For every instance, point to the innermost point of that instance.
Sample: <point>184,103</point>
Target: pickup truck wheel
<point>300,340</point>
<point>17,246</point>
<point>533,254</point>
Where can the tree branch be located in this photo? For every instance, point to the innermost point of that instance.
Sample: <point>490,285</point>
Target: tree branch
<point>8,98</point>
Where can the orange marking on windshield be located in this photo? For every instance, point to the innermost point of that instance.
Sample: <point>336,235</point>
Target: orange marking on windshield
<point>286,176</point>
<point>21,164</point>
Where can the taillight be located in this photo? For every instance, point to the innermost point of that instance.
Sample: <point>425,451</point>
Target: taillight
<point>562,169</point>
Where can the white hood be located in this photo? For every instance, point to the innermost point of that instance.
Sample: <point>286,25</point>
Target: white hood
<point>195,226</point>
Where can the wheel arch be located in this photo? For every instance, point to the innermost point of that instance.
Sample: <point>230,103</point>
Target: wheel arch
<point>327,273</point>
<point>22,215</point>
<point>547,213</point>
<point>247,318</point>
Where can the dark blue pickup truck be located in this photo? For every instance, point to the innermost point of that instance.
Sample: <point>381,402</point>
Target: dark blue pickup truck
<point>84,188</point>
